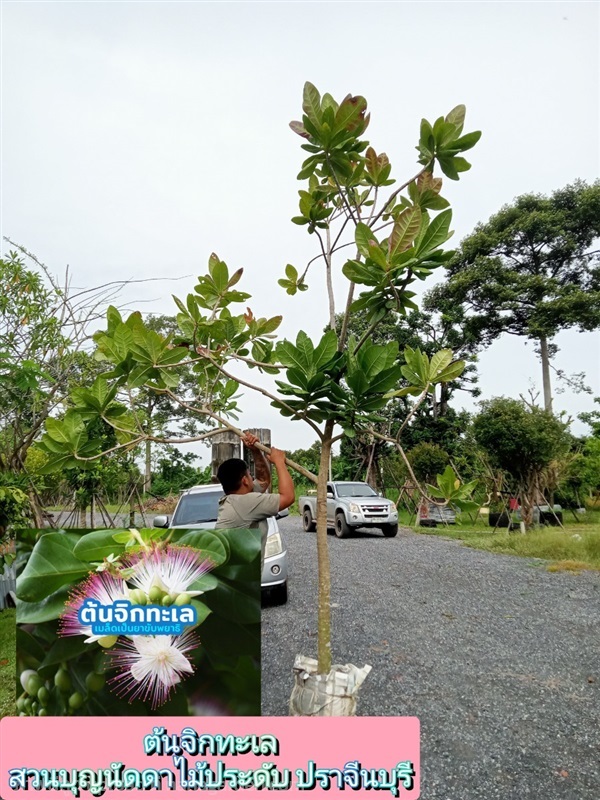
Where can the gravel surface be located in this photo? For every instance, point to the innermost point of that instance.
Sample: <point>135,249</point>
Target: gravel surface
<point>498,658</point>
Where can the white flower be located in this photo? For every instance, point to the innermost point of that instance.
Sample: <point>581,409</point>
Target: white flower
<point>99,586</point>
<point>172,569</point>
<point>152,665</point>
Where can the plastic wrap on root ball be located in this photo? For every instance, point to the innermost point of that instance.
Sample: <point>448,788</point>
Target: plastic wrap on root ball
<point>330,695</point>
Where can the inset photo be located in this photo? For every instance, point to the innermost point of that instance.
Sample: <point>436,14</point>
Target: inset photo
<point>7,624</point>
<point>161,622</point>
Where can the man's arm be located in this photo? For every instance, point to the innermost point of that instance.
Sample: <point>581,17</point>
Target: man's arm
<point>287,493</point>
<point>262,468</point>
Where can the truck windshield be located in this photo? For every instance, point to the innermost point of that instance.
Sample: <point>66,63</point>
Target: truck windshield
<point>355,490</point>
<point>198,507</point>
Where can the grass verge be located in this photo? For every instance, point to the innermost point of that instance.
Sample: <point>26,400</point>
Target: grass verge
<point>8,667</point>
<point>573,548</point>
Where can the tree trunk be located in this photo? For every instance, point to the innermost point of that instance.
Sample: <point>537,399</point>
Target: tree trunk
<point>324,608</point>
<point>148,467</point>
<point>444,398</point>
<point>132,510</point>
<point>528,491</point>
<point>373,477</point>
<point>546,373</point>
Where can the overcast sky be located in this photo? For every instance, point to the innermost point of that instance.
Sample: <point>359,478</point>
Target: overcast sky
<point>138,137</point>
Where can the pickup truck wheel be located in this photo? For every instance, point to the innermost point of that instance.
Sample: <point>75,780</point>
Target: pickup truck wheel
<point>308,522</point>
<point>389,530</point>
<point>341,526</point>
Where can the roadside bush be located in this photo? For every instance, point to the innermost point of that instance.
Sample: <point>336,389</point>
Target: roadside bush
<point>427,461</point>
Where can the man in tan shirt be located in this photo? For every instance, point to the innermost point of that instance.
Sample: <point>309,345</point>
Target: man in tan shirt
<point>247,503</point>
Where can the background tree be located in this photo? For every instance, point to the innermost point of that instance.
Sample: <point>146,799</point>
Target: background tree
<point>523,441</point>
<point>427,460</point>
<point>581,478</point>
<point>309,458</point>
<point>164,418</point>
<point>530,271</point>
<point>45,336</point>
<point>435,421</point>
<point>175,472</point>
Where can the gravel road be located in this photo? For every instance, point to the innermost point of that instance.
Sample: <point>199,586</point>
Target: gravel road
<point>499,658</point>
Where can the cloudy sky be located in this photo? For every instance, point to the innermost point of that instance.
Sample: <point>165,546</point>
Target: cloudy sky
<point>138,137</point>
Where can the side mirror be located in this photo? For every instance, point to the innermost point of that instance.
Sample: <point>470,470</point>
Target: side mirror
<point>285,512</point>
<point>162,521</point>
<point>330,495</point>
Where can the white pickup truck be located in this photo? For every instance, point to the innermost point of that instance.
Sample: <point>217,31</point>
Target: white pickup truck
<point>350,505</point>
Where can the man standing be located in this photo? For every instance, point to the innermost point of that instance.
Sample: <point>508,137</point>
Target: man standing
<point>246,503</point>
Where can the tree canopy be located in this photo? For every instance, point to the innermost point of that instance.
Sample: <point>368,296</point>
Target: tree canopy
<point>531,271</point>
<point>522,440</point>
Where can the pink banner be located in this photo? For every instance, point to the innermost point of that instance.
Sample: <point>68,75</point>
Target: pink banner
<point>138,757</point>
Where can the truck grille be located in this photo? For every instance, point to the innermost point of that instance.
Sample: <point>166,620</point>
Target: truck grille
<point>374,511</point>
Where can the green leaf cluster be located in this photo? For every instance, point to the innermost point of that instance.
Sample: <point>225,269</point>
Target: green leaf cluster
<point>444,140</point>
<point>351,387</point>
<point>411,252</point>
<point>421,372</point>
<point>292,283</point>
<point>332,131</point>
<point>455,493</point>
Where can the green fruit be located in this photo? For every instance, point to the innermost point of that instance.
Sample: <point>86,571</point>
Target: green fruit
<point>35,707</point>
<point>107,641</point>
<point>42,712</point>
<point>155,594</point>
<point>21,704</point>
<point>34,684</point>
<point>62,680</point>
<point>183,599</point>
<point>138,597</point>
<point>167,600</point>
<point>43,695</point>
<point>28,703</point>
<point>76,701</point>
<point>94,681</point>
<point>25,676</point>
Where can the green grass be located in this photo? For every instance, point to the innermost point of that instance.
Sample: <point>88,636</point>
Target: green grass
<point>8,633</point>
<point>574,547</point>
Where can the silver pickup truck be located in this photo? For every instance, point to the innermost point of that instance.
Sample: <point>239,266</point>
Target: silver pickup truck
<point>351,505</point>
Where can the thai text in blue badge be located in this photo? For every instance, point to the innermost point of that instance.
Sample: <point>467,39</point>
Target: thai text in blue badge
<point>123,618</point>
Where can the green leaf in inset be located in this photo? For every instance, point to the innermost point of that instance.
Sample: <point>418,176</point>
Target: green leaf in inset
<point>204,584</point>
<point>202,610</point>
<point>49,608</point>
<point>50,566</point>
<point>97,545</point>
<point>244,545</point>
<point>208,542</point>
<point>236,601</point>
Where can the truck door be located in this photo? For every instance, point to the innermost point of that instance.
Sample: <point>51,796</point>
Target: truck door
<point>330,503</point>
